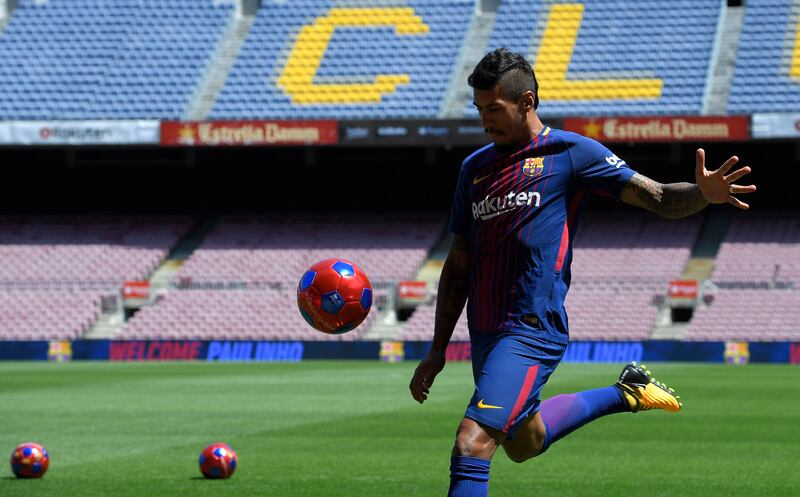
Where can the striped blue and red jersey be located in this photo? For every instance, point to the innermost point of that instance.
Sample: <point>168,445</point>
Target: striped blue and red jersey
<point>519,209</point>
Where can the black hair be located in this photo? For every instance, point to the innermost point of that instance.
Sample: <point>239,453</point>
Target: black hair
<point>508,69</point>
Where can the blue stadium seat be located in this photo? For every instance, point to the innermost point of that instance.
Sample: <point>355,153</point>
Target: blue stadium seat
<point>762,81</point>
<point>144,58</point>
<point>87,59</point>
<point>644,39</point>
<point>427,58</point>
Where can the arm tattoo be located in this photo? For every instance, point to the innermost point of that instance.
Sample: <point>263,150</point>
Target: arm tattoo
<point>671,200</point>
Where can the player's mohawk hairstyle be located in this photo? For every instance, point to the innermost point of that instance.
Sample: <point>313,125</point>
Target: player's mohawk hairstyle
<point>508,69</point>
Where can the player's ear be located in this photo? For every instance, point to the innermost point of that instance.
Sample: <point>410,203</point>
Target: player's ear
<point>527,101</point>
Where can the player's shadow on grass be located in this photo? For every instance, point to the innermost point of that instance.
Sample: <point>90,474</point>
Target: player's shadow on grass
<point>10,478</point>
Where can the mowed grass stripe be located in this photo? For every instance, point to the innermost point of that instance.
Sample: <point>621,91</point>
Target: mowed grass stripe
<point>327,428</point>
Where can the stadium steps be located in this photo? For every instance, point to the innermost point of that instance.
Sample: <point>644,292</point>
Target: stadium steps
<point>459,94</point>
<point>699,267</point>
<point>431,270</point>
<point>664,328</point>
<point>6,10</point>
<point>385,327</point>
<point>670,332</point>
<point>222,62</point>
<point>164,273</point>
<point>181,251</point>
<point>441,248</point>
<point>723,61</point>
<point>194,238</point>
<point>711,234</point>
<point>106,326</point>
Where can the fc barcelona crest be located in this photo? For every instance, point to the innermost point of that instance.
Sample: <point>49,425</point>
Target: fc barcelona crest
<point>533,166</point>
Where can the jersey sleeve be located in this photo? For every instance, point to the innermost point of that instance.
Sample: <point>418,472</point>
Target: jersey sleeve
<point>599,170</point>
<point>460,215</point>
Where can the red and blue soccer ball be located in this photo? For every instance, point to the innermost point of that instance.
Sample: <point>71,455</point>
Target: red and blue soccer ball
<point>218,461</point>
<point>29,460</point>
<point>334,296</point>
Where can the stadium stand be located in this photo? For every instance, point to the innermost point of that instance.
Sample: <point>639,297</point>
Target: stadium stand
<point>606,58</point>
<point>265,258</point>
<point>420,325</point>
<point>262,314</point>
<point>80,59</point>
<point>357,59</point>
<point>278,251</point>
<point>760,248</point>
<point>618,311</point>
<point>632,248</point>
<point>316,67</point>
<point>619,265</point>
<point>47,315</point>
<point>83,59</point>
<point>110,251</point>
<point>767,73</point>
<point>54,271</point>
<point>748,315</point>
<point>757,270</point>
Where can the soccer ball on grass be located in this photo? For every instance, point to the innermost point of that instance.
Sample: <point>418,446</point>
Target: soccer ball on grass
<point>218,461</point>
<point>29,460</point>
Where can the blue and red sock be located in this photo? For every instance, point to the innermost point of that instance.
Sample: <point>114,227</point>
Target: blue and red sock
<point>469,477</point>
<point>564,414</point>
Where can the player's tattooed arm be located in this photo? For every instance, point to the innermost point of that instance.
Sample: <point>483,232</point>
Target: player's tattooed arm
<point>676,200</point>
<point>671,200</point>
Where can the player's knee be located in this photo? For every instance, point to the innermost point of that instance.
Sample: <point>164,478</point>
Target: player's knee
<point>472,440</point>
<point>471,444</point>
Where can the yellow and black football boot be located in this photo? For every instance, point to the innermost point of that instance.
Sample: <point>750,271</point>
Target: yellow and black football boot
<point>644,393</point>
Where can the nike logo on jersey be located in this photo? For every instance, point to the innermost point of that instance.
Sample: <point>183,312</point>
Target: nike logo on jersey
<point>481,405</point>
<point>477,180</point>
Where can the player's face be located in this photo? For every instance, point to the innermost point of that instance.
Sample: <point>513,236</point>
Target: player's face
<point>502,119</point>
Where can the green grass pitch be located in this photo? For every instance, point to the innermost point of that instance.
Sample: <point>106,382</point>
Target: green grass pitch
<point>337,428</point>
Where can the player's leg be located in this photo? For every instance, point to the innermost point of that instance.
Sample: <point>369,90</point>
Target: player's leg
<point>498,380</point>
<point>529,439</point>
<point>476,439</point>
<point>509,374</point>
<point>472,454</point>
<point>559,416</point>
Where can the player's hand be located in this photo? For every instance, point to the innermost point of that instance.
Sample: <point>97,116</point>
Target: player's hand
<point>424,375</point>
<point>716,187</point>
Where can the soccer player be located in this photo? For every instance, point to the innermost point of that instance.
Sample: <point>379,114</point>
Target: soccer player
<point>514,214</point>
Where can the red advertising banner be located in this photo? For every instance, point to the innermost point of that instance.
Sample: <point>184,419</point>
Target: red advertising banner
<point>661,129</point>
<point>415,290</point>
<point>683,289</point>
<point>263,133</point>
<point>136,290</point>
